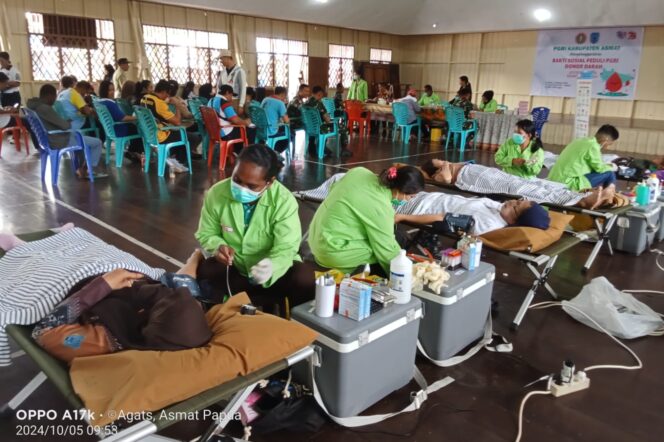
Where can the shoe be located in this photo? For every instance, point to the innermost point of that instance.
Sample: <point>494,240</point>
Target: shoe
<point>178,167</point>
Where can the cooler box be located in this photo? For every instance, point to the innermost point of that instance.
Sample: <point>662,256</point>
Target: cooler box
<point>635,230</point>
<point>456,318</point>
<point>363,361</point>
<point>660,233</point>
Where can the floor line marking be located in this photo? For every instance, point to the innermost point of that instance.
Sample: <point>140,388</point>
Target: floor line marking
<point>393,158</point>
<point>101,223</point>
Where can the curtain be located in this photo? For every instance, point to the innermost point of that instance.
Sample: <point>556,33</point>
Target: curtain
<point>5,29</point>
<point>137,32</point>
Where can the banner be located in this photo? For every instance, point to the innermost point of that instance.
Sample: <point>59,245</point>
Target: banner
<point>611,54</point>
<point>584,87</point>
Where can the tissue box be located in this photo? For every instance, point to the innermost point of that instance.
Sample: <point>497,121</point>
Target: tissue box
<point>471,251</point>
<point>354,299</point>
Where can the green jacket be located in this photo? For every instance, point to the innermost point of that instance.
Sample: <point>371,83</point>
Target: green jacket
<point>509,151</point>
<point>355,224</point>
<point>358,90</point>
<point>274,230</point>
<point>491,106</point>
<point>580,157</point>
<point>433,100</point>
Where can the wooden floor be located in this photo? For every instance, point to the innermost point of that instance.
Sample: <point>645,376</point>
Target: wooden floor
<point>154,218</point>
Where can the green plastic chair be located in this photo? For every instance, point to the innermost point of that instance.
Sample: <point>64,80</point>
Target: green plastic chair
<point>331,109</point>
<point>400,112</point>
<point>147,126</point>
<point>194,106</point>
<point>312,128</point>
<point>259,118</point>
<point>92,122</point>
<point>108,124</point>
<point>456,119</point>
<point>125,106</point>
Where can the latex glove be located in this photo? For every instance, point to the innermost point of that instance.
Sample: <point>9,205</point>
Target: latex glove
<point>614,167</point>
<point>262,271</point>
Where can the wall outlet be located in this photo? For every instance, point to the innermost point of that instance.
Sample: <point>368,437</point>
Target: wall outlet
<point>579,382</point>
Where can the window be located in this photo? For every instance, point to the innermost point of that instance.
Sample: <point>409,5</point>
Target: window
<point>62,45</point>
<point>182,54</point>
<point>380,56</point>
<point>282,63</point>
<point>341,65</point>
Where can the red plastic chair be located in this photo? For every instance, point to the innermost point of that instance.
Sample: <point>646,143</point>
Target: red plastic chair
<point>17,131</point>
<point>213,128</point>
<point>354,109</point>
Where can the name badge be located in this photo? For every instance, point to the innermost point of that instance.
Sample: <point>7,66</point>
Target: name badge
<point>227,229</point>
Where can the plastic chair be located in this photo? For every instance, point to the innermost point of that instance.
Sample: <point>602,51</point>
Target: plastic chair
<point>354,110</point>
<point>91,121</point>
<point>456,120</point>
<point>259,118</point>
<point>125,106</point>
<point>400,112</point>
<point>194,106</point>
<point>46,153</point>
<point>108,124</point>
<point>331,109</point>
<point>147,127</point>
<point>213,128</point>
<point>540,116</point>
<point>16,132</point>
<point>502,107</point>
<point>312,128</point>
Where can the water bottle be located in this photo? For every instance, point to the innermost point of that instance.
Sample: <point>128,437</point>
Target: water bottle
<point>642,194</point>
<point>654,187</point>
<point>401,277</point>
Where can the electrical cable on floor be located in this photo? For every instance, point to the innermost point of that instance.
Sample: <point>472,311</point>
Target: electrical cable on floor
<point>549,304</point>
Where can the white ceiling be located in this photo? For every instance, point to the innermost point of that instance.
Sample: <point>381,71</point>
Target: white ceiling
<point>409,17</point>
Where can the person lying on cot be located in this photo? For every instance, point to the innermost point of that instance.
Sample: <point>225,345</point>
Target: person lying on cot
<point>354,225</point>
<point>580,164</point>
<point>122,310</point>
<point>250,224</point>
<point>488,180</point>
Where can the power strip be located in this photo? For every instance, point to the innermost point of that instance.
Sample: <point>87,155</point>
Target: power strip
<point>579,382</point>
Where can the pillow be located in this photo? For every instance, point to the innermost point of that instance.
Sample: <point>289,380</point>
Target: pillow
<point>527,239</point>
<point>135,381</point>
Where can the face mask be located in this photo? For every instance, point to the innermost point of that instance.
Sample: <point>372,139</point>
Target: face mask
<point>518,138</point>
<point>244,195</point>
<point>356,77</point>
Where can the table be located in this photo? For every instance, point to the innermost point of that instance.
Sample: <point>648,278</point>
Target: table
<point>494,129</point>
<point>383,112</point>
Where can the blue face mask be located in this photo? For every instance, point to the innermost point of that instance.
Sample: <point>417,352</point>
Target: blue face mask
<point>244,195</point>
<point>518,138</point>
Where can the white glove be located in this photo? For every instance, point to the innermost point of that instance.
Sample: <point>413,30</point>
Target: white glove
<point>614,167</point>
<point>262,271</point>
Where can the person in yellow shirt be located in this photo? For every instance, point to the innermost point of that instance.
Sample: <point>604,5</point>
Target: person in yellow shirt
<point>522,154</point>
<point>156,102</point>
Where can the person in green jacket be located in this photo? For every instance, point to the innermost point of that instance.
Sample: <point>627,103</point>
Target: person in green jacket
<point>522,154</point>
<point>359,89</point>
<point>428,98</point>
<point>488,104</point>
<point>250,224</point>
<point>354,225</point>
<point>580,164</point>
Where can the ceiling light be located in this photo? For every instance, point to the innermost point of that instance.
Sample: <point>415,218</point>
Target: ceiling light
<point>321,1</point>
<point>542,14</point>
<point>435,25</point>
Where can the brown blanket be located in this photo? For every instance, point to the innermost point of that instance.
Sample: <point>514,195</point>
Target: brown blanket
<point>133,381</point>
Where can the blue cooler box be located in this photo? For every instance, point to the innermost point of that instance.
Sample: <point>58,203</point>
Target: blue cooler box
<point>457,317</point>
<point>361,362</point>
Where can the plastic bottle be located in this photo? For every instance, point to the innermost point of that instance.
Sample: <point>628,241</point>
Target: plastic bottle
<point>655,188</point>
<point>642,194</point>
<point>401,278</point>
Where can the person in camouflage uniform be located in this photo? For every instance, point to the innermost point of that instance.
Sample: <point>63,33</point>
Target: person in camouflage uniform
<point>316,102</point>
<point>293,109</point>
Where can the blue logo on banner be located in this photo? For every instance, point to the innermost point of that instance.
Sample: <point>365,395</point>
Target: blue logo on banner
<point>594,37</point>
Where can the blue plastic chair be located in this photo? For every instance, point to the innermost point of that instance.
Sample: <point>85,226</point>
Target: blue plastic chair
<point>259,118</point>
<point>540,116</point>
<point>194,106</point>
<point>312,128</point>
<point>147,127</point>
<point>46,153</point>
<point>331,109</point>
<point>108,124</point>
<point>93,129</point>
<point>456,120</point>
<point>125,106</point>
<point>400,112</point>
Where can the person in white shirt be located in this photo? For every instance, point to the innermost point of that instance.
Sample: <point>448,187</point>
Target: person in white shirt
<point>120,76</point>
<point>234,76</point>
<point>413,106</point>
<point>11,95</point>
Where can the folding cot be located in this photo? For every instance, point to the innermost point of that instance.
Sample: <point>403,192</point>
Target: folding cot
<point>235,390</point>
<point>544,259</point>
<point>603,219</point>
